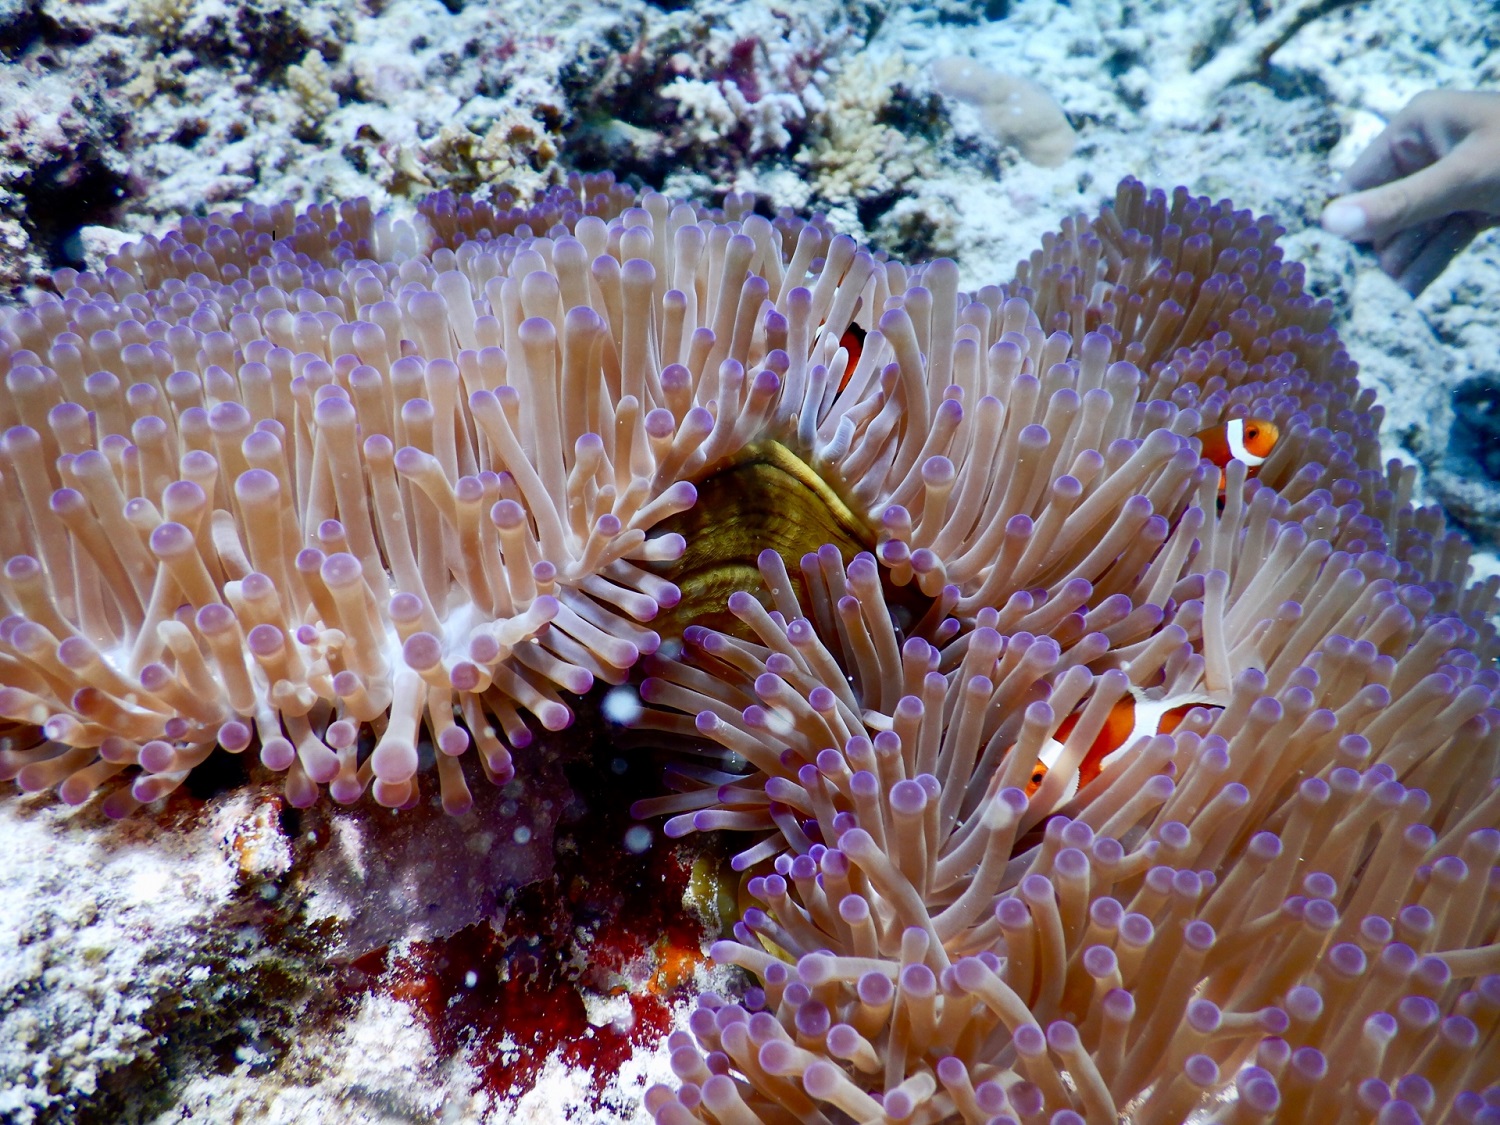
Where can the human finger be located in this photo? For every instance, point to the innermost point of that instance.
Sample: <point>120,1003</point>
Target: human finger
<point>1457,182</point>
<point>1400,250</point>
<point>1453,234</point>
<point>1399,149</point>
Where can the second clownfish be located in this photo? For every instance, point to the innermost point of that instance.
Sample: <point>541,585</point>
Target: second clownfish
<point>1133,717</point>
<point>1248,440</point>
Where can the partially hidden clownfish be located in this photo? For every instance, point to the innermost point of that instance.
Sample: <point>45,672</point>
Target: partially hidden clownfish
<point>1248,440</point>
<point>853,342</point>
<point>1132,718</point>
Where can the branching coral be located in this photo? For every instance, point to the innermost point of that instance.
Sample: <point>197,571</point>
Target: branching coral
<point>358,491</point>
<point>712,111</point>
<point>856,156</point>
<point>162,19</point>
<point>310,83</point>
<point>751,80</point>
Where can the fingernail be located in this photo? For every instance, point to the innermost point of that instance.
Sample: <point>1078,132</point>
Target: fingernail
<point>1347,220</point>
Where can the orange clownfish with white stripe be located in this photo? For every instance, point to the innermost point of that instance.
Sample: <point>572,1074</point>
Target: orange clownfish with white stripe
<point>1248,440</point>
<point>1132,718</point>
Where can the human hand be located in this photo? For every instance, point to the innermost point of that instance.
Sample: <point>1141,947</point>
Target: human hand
<point>1422,190</point>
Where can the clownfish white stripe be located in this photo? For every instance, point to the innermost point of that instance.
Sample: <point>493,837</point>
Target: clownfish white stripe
<point>1234,435</point>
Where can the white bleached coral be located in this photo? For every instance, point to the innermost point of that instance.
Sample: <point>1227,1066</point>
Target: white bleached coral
<point>715,110</point>
<point>704,106</point>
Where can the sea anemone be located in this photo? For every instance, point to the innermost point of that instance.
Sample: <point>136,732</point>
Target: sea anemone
<point>1302,863</point>
<point>336,485</point>
<point>360,492</point>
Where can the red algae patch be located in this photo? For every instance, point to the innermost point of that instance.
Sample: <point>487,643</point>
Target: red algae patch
<point>574,975</point>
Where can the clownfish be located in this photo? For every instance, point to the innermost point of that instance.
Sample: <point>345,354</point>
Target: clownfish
<point>1131,718</point>
<point>853,342</point>
<point>1247,440</point>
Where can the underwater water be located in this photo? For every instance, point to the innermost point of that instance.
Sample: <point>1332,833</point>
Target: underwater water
<point>572,838</point>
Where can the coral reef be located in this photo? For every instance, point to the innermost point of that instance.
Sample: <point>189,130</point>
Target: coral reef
<point>708,89</point>
<point>328,962</point>
<point>57,166</point>
<point>194,921</point>
<point>309,82</point>
<point>136,115</point>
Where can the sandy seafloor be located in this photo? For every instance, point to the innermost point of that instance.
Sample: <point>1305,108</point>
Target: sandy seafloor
<point>128,951</point>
